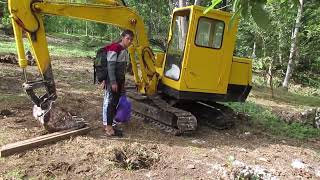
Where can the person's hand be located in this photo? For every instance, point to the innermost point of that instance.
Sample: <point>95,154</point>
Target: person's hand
<point>114,87</point>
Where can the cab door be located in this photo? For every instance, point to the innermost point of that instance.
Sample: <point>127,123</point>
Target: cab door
<point>205,56</point>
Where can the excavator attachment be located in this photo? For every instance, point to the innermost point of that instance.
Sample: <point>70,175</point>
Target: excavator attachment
<point>24,19</point>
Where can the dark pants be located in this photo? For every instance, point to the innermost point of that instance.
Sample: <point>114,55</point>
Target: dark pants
<point>110,103</point>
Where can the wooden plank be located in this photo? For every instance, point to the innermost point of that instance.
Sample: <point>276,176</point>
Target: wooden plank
<point>21,146</point>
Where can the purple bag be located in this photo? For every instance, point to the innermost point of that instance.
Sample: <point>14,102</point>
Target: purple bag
<point>123,110</point>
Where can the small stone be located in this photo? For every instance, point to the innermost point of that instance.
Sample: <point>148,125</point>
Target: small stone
<point>247,133</point>
<point>297,164</point>
<point>263,159</point>
<point>317,172</point>
<point>231,158</point>
<point>151,174</point>
<point>191,166</point>
<point>197,141</point>
<point>213,149</point>
<point>243,150</point>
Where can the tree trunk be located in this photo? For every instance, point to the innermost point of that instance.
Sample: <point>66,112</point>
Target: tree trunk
<point>270,76</point>
<point>254,50</point>
<point>279,46</point>
<point>197,2</point>
<point>182,25</point>
<point>171,5</point>
<point>293,46</point>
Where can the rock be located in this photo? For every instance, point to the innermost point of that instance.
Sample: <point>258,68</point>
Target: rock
<point>82,169</point>
<point>317,172</point>
<point>191,166</point>
<point>197,141</point>
<point>311,116</point>
<point>263,159</point>
<point>213,149</point>
<point>247,133</point>
<point>205,155</point>
<point>243,150</point>
<point>151,174</point>
<point>242,171</point>
<point>297,164</point>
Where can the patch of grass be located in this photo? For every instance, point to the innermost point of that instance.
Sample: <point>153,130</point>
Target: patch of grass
<point>15,174</point>
<point>264,120</point>
<point>8,47</point>
<point>13,98</point>
<point>68,49</point>
<point>296,88</point>
<point>280,95</point>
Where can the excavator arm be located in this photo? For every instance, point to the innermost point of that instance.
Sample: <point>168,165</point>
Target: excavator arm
<point>27,17</point>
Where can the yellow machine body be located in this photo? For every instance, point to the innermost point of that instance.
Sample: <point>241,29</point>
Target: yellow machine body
<point>201,66</point>
<point>198,63</point>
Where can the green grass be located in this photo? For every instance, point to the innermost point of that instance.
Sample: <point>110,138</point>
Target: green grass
<point>7,47</point>
<point>280,95</point>
<point>13,98</point>
<point>81,47</point>
<point>264,120</point>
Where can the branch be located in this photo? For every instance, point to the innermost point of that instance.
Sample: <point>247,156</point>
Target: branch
<point>224,7</point>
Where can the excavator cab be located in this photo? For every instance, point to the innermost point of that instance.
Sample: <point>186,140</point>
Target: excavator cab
<point>199,62</point>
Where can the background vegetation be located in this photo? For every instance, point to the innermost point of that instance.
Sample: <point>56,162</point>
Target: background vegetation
<point>269,47</point>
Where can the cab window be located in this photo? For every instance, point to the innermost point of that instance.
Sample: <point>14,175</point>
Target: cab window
<point>209,33</point>
<point>175,50</point>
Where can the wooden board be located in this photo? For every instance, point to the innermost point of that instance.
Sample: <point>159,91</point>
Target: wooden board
<point>21,146</point>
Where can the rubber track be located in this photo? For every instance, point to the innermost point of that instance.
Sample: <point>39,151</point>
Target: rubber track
<point>156,124</point>
<point>214,115</point>
<point>182,123</point>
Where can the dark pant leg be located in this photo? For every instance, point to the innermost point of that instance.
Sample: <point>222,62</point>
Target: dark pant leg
<point>113,100</point>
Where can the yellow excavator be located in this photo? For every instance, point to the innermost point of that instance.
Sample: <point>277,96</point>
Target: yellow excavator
<point>173,89</point>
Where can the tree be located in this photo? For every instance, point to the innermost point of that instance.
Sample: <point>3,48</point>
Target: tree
<point>182,25</point>
<point>293,48</point>
<point>197,2</point>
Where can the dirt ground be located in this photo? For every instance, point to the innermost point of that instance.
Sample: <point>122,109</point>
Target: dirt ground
<point>144,152</point>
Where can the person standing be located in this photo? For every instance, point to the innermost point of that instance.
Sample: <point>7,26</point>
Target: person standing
<point>117,58</point>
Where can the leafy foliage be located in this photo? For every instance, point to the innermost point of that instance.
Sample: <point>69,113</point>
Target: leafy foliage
<point>264,31</point>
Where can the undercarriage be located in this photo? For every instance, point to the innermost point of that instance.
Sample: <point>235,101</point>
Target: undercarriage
<point>179,117</point>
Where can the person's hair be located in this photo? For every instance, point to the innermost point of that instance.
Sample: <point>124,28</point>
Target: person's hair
<point>127,32</point>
